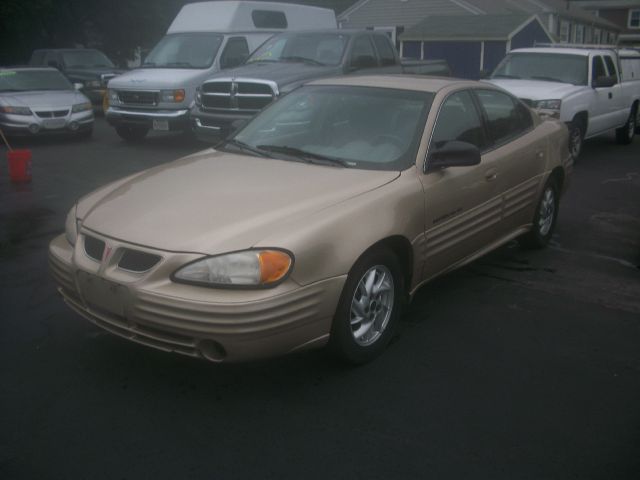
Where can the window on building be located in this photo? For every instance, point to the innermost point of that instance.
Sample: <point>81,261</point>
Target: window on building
<point>588,35</point>
<point>634,18</point>
<point>564,32</point>
<point>596,36</point>
<point>578,34</point>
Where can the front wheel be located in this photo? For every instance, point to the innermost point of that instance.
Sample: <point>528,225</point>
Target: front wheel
<point>576,137</point>
<point>369,308</point>
<point>624,134</point>
<point>544,219</point>
<point>132,134</point>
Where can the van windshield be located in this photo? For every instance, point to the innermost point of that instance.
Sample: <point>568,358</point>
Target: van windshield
<point>85,59</point>
<point>313,48</point>
<point>185,50</point>
<point>551,67</point>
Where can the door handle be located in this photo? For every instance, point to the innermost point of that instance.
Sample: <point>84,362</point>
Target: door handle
<point>491,174</point>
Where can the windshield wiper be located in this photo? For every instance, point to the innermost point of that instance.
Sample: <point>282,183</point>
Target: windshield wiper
<point>549,79</point>
<point>504,75</point>
<point>297,58</point>
<point>308,156</point>
<point>246,147</point>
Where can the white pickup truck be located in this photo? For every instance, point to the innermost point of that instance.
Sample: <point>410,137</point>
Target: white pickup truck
<point>593,90</point>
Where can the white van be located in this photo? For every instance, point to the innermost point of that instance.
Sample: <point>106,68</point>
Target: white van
<point>204,38</point>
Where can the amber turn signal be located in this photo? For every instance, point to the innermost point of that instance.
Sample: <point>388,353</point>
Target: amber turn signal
<point>274,265</point>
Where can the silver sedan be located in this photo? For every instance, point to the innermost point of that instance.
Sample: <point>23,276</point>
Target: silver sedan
<point>36,101</point>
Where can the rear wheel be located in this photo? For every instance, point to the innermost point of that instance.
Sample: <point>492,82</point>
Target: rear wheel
<point>369,308</point>
<point>132,134</point>
<point>544,219</point>
<point>624,135</point>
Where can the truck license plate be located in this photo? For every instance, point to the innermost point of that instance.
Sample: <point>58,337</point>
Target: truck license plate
<point>162,125</point>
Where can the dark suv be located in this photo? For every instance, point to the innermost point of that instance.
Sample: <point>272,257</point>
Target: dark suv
<point>87,66</point>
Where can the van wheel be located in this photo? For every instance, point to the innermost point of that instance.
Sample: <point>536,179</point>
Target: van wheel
<point>544,219</point>
<point>576,138</point>
<point>624,134</point>
<point>369,308</point>
<point>132,134</point>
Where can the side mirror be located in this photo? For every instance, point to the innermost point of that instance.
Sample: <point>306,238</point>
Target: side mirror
<point>78,86</point>
<point>453,154</point>
<point>605,81</point>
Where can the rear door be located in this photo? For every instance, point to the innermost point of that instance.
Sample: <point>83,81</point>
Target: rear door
<point>517,153</point>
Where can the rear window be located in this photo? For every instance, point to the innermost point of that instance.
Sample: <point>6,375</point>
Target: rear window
<point>269,19</point>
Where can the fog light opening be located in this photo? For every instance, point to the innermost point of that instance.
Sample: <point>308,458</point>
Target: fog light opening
<point>73,126</point>
<point>212,350</point>
<point>34,128</point>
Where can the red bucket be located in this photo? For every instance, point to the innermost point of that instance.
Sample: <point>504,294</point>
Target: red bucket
<point>19,166</point>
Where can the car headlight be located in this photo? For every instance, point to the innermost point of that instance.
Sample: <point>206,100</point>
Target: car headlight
<point>81,107</point>
<point>71,226</point>
<point>248,269</point>
<point>548,104</point>
<point>16,110</point>
<point>172,96</point>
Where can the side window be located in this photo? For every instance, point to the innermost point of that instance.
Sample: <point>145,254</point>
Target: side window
<point>611,67</point>
<point>458,119</point>
<point>597,69</point>
<point>362,53</point>
<point>269,19</point>
<point>235,52</point>
<point>505,116</point>
<point>384,50</point>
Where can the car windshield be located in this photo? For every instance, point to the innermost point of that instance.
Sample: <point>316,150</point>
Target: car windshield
<point>312,48</point>
<point>86,59</point>
<point>354,127</point>
<point>184,50</point>
<point>26,80</point>
<point>552,67</point>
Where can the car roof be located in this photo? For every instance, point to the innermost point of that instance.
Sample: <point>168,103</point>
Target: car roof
<point>421,83</point>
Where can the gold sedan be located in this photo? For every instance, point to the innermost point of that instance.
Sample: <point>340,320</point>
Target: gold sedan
<point>316,222</point>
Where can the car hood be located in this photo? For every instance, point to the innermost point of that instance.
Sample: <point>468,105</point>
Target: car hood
<point>282,73</point>
<point>157,78</point>
<point>42,99</point>
<point>214,202</point>
<point>537,89</point>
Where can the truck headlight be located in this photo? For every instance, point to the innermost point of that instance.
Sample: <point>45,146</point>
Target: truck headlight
<point>71,226</point>
<point>81,107</point>
<point>248,269</point>
<point>548,104</point>
<point>16,110</point>
<point>172,96</point>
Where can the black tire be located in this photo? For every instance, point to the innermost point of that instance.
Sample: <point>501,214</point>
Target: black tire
<point>541,231</point>
<point>624,134</point>
<point>132,134</point>
<point>576,138</point>
<point>345,328</point>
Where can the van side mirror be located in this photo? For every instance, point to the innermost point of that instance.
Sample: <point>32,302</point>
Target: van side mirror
<point>453,154</point>
<point>605,81</point>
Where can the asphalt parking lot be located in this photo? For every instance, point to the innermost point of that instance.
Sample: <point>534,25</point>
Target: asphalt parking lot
<point>522,365</point>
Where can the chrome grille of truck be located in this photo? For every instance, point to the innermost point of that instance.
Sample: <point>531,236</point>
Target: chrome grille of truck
<point>138,97</point>
<point>237,95</point>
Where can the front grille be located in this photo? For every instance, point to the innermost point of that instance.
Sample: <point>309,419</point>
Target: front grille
<point>53,114</point>
<point>94,248</point>
<point>137,261</point>
<point>237,95</point>
<point>138,97</point>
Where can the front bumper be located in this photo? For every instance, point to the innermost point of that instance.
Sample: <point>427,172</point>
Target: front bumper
<point>211,127</point>
<point>177,120</point>
<point>33,125</point>
<point>215,324</point>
